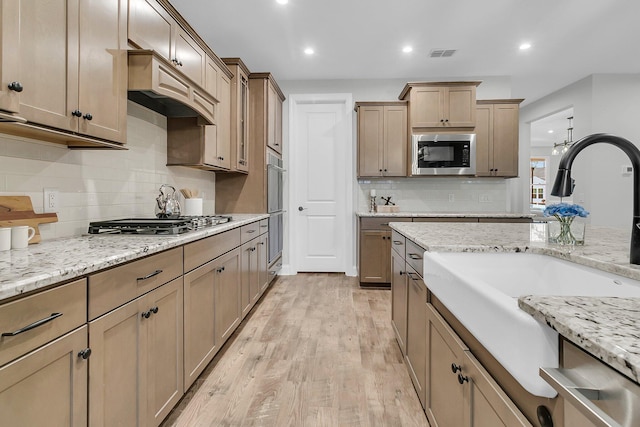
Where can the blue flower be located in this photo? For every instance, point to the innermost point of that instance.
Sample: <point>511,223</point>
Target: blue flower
<point>565,210</point>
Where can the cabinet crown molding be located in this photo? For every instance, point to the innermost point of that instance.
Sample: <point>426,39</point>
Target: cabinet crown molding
<point>408,86</point>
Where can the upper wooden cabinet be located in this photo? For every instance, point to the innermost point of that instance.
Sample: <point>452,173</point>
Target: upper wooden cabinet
<point>497,144</point>
<point>239,114</point>
<point>382,139</point>
<point>266,101</point>
<point>75,82</point>
<point>152,27</point>
<point>441,105</point>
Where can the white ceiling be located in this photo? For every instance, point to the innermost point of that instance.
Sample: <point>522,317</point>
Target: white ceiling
<point>363,39</point>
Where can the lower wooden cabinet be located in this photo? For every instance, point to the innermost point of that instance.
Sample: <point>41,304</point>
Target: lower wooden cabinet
<point>460,392</point>
<point>48,386</point>
<point>136,368</point>
<point>399,300</point>
<point>263,262</point>
<point>228,312</point>
<point>250,275</point>
<point>416,356</point>
<point>374,256</point>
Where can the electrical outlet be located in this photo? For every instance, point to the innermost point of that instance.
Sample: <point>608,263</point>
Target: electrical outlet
<point>627,169</point>
<point>484,198</point>
<point>51,200</point>
<point>452,197</point>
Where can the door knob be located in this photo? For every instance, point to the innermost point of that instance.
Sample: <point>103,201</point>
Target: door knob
<point>300,208</point>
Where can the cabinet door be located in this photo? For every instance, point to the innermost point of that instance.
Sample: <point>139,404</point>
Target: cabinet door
<point>370,140</point>
<point>211,76</point>
<point>150,26</point>
<point>46,71</point>
<point>189,56</point>
<point>484,148</point>
<point>460,106</point>
<point>488,405</point>
<point>116,341</point>
<point>375,256</point>
<point>223,121</point>
<point>246,255</point>
<point>426,106</point>
<point>200,343</point>
<point>47,387</point>
<point>278,125</point>
<point>505,140</point>
<point>242,124</point>
<point>228,311</point>
<point>263,265</point>
<point>164,350</point>
<point>10,18</point>
<point>102,79</point>
<point>399,300</point>
<point>395,141</point>
<point>446,398</point>
<point>272,100</point>
<point>417,333</point>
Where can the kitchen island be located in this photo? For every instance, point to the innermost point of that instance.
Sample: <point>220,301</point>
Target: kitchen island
<point>606,328</point>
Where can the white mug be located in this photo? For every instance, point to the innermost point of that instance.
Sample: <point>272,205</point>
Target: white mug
<point>21,235</point>
<point>5,238</point>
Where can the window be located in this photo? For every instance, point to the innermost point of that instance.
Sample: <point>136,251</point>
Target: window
<point>538,182</point>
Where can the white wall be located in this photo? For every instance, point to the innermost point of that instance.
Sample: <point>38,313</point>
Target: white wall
<point>602,103</point>
<point>99,184</point>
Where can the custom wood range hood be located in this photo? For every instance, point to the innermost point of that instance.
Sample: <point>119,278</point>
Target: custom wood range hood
<point>156,84</point>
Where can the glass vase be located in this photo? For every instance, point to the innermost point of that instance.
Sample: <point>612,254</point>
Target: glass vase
<point>566,230</point>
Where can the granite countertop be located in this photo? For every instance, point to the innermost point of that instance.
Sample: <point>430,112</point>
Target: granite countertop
<point>445,214</point>
<point>606,327</point>
<point>53,261</point>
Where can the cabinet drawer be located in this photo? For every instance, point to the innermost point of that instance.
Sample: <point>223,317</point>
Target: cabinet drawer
<point>40,318</point>
<point>249,231</point>
<point>264,226</point>
<point>112,288</point>
<point>203,251</point>
<point>415,255</point>
<point>398,243</point>
<point>380,223</point>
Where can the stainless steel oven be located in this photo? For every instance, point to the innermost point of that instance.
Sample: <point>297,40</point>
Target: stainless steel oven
<point>275,182</point>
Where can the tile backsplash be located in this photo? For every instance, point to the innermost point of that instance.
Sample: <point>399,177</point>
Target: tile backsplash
<point>99,184</point>
<point>429,194</point>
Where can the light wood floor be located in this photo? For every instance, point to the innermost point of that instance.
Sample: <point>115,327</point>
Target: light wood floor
<point>316,351</point>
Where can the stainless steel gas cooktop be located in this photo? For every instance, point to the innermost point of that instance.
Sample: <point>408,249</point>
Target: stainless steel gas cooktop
<point>160,226</point>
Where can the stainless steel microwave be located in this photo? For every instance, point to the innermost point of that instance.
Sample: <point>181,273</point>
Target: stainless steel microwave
<point>443,154</point>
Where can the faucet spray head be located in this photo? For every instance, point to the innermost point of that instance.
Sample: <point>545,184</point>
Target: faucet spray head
<point>564,184</point>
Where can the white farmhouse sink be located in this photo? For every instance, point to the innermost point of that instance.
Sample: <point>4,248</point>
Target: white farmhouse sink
<point>481,290</point>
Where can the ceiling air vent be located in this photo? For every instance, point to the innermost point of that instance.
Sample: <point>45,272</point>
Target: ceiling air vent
<point>441,53</point>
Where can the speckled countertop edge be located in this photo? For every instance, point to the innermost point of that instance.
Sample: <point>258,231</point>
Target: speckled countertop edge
<point>60,260</point>
<point>608,328</point>
<point>363,214</point>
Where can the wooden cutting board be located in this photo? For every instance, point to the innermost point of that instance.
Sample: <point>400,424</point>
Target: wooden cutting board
<point>18,210</point>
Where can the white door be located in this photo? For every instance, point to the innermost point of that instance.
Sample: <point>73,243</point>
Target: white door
<point>321,175</point>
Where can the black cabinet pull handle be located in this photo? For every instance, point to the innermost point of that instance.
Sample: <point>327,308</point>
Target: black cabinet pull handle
<point>446,120</point>
<point>154,310</point>
<point>84,354</point>
<point>411,274</point>
<point>150,275</point>
<point>76,113</point>
<point>441,120</point>
<point>385,223</point>
<point>221,158</point>
<point>220,270</point>
<point>415,256</point>
<point>261,243</point>
<point>462,379</point>
<point>455,368</point>
<point>146,314</point>
<point>397,242</point>
<point>32,326</point>
<point>401,273</point>
<point>251,231</point>
<point>88,116</point>
<point>16,86</point>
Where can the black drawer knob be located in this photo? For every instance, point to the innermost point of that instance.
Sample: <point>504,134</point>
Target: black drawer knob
<point>16,86</point>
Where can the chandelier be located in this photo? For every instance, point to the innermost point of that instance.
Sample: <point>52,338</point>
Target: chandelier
<point>562,147</point>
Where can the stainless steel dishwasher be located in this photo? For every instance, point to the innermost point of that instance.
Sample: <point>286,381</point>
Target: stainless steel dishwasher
<point>594,394</point>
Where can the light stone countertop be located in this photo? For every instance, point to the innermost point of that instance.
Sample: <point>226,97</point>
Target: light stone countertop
<point>606,327</point>
<point>53,261</point>
<point>363,214</point>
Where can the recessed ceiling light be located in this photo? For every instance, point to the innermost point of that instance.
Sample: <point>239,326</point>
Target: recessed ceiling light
<point>309,51</point>
<point>282,1</point>
<point>550,131</point>
<point>407,49</point>
<point>525,46</point>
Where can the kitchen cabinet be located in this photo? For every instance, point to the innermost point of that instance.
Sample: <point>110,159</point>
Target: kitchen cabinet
<point>239,114</point>
<point>441,105</point>
<point>253,263</point>
<point>228,312</point>
<point>375,250</point>
<point>77,81</point>
<point>460,390</point>
<point>382,139</point>
<point>264,278</point>
<point>416,356</point>
<point>247,193</point>
<point>497,130</point>
<point>43,358</point>
<point>399,288</point>
<point>136,371</point>
<point>152,27</point>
